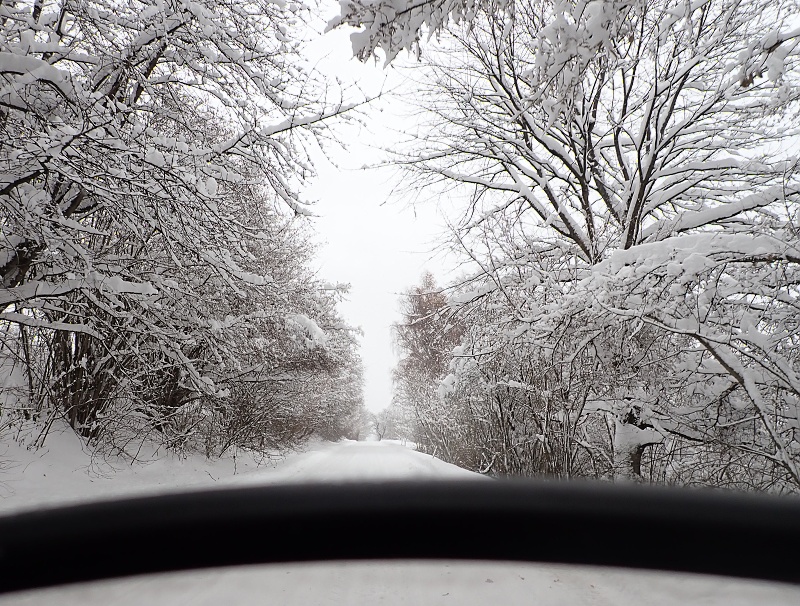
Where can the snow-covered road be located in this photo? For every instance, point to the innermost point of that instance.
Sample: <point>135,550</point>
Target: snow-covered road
<point>347,460</point>
<point>62,473</point>
<point>389,583</point>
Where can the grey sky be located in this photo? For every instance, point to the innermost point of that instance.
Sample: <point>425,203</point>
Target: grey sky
<point>372,240</point>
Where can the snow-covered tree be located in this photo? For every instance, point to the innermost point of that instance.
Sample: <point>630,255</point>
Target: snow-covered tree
<point>630,169</point>
<point>143,146</point>
<point>424,339</point>
<point>395,422</point>
<point>393,26</point>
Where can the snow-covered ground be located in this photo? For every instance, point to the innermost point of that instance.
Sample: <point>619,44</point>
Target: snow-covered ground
<point>64,473</point>
<point>348,461</point>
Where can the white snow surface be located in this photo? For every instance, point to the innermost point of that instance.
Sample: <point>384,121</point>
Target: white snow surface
<point>63,473</point>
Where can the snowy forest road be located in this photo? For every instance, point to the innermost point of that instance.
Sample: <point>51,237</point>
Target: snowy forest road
<point>400,583</point>
<point>348,460</point>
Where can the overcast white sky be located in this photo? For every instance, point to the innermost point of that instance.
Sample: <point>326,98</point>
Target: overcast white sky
<point>372,239</point>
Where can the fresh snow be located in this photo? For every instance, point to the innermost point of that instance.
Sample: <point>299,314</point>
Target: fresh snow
<point>63,473</point>
<point>413,584</point>
<point>354,461</point>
